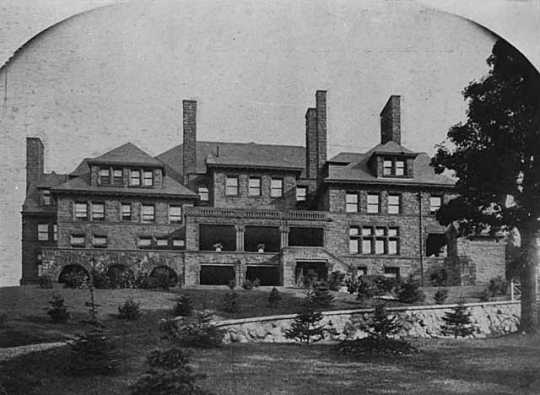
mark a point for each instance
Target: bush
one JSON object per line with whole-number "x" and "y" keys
{"x": 410, "y": 292}
{"x": 485, "y": 295}
{"x": 120, "y": 277}
{"x": 183, "y": 307}
{"x": 440, "y": 296}
{"x": 100, "y": 279}
{"x": 321, "y": 296}
{"x": 168, "y": 373}
{"x": 497, "y": 286}
{"x": 336, "y": 280}
{"x": 231, "y": 284}
{"x": 129, "y": 310}
{"x": 274, "y": 298}
{"x": 458, "y": 321}
{"x": 438, "y": 278}
{"x": 230, "y": 302}
{"x": 374, "y": 285}
{"x": 162, "y": 280}
{"x": 247, "y": 285}
{"x": 256, "y": 283}
{"x": 91, "y": 354}
{"x": 57, "y": 310}
{"x": 194, "y": 332}
{"x": 306, "y": 326}
{"x": 75, "y": 279}
{"x": 45, "y": 282}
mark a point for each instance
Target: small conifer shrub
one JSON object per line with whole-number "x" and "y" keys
{"x": 410, "y": 292}
{"x": 92, "y": 353}
{"x": 57, "y": 310}
{"x": 306, "y": 326}
{"x": 321, "y": 296}
{"x": 440, "y": 296}
{"x": 45, "y": 282}
{"x": 458, "y": 321}
{"x": 183, "y": 307}
{"x": 198, "y": 331}
{"x": 129, "y": 310}
{"x": 274, "y": 298}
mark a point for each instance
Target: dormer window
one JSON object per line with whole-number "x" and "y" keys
{"x": 46, "y": 194}
{"x": 393, "y": 167}
{"x": 148, "y": 178}
{"x": 104, "y": 176}
{"x": 135, "y": 178}
{"x": 203, "y": 193}
{"x": 118, "y": 177}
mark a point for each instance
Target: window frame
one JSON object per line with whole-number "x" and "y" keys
{"x": 257, "y": 189}
{"x": 55, "y": 232}
{"x": 99, "y": 245}
{"x": 118, "y": 180}
{"x": 133, "y": 172}
{"x": 178, "y": 247}
{"x": 162, "y": 246}
{"x": 41, "y": 232}
{"x": 276, "y": 192}
{"x": 368, "y": 204}
{"x": 144, "y": 216}
{"x": 46, "y": 197}
{"x": 392, "y": 170}
{"x": 355, "y": 206}
{"x": 202, "y": 193}
{"x": 122, "y": 216}
{"x": 144, "y": 247}
{"x": 178, "y": 217}
{"x": 301, "y": 197}
{"x": 372, "y": 236}
{"x": 104, "y": 179}
{"x": 93, "y": 211}
{"x": 231, "y": 190}
{"x": 431, "y": 210}
{"x": 398, "y": 205}
{"x": 354, "y": 239}
{"x": 145, "y": 173}
{"x": 82, "y": 244}
{"x": 76, "y": 212}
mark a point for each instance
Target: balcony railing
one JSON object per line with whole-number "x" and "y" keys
{"x": 302, "y": 215}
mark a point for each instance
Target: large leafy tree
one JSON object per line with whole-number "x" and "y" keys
{"x": 495, "y": 156}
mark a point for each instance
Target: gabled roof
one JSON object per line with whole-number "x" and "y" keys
{"x": 127, "y": 154}
{"x": 169, "y": 188}
{"x": 284, "y": 157}
{"x": 390, "y": 147}
{"x": 81, "y": 169}
{"x": 48, "y": 180}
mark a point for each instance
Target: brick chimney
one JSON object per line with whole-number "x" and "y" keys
{"x": 189, "y": 148}
{"x": 391, "y": 120}
{"x": 320, "y": 106}
{"x": 312, "y": 156}
{"x": 34, "y": 160}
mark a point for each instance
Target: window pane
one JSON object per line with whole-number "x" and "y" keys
{"x": 203, "y": 193}
{"x": 104, "y": 176}
{"x": 380, "y": 231}
{"x": 55, "y": 232}
{"x": 277, "y": 187}
{"x": 351, "y": 203}
{"x": 98, "y": 211}
{"x": 162, "y": 242}
{"x": 391, "y": 272}
{"x": 118, "y": 176}
{"x": 353, "y": 246}
{"x": 77, "y": 240}
{"x": 178, "y": 243}
{"x": 254, "y": 187}
{"x": 81, "y": 210}
{"x": 400, "y": 168}
{"x": 366, "y": 246}
{"x": 434, "y": 203}
{"x": 135, "y": 178}
{"x": 392, "y": 232}
{"x": 392, "y": 246}
{"x": 353, "y": 231}
{"x": 148, "y": 178}
{"x": 373, "y": 203}
{"x": 301, "y": 193}
{"x": 231, "y": 186}
{"x": 99, "y": 241}
{"x": 379, "y": 246}
{"x": 394, "y": 204}
{"x": 175, "y": 213}
{"x": 126, "y": 211}
{"x": 147, "y": 213}
{"x": 387, "y": 167}
{"x": 351, "y": 198}
{"x": 144, "y": 242}
{"x": 366, "y": 231}
{"x": 47, "y": 197}
{"x": 43, "y": 232}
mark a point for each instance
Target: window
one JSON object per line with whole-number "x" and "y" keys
{"x": 380, "y": 240}
{"x": 43, "y": 232}
{"x": 434, "y": 204}
{"x": 391, "y": 272}
{"x": 175, "y": 214}
{"x": 393, "y": 241}
{"x": 118, "y": 177}
{"x": 104, "y": 176}
{"x": 276, "y": 187}
{"x": 81, "y": 211}
{"x": 99, "y": 241}
{"x": 162, "y": 242}
{"x": 354, "y": 236}
{"x": 367, "y": 247}
{"x": 254, "y": 186}
{"x": 203, "y": 193}
{"x": 55, "y": 232}
{"x": 351, "y": 202}
{"x": 126, "y": 211}
{"x": 98, "y": 211}
{"x": 380, "y": 234}
{"x": 393, "y": 167}
{"x": 394, "y": 204}
{"x": 144, "y": 242}
{"x": 178, "y": 243}
{"x": 46, "y": 194}
{"x": 77, "y": 240}
{"x": 231, "y": 186}
{"x": 301, "y": 194}
{"x": 373, "y": 203}
{"x": 135, "y": 178}
{"x": 147, "y": 213}
{"x": 148, "y": 178}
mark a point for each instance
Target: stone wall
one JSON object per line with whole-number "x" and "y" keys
{"x": 490, "y": 319}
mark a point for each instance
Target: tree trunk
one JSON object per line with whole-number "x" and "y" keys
{"x": 529, "y": 312}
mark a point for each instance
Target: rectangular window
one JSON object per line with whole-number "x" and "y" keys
{"x": 301, "y": 194}
{"x": 99, "y": 241}
{"x": 353, "y": 240}
{"x": 77, "y": 240}
{"x": 231, "y": 186}
{"x": 434, "y": 204}
{"x": 387, "y": 167}
{"x": 204, "y": 195}
{"x": 373, "y": 203}
{"x": 104, "y": 176}
{"x": 43, "y": 232}
{"x": 175, "y": 214}
{"x": 118, "y": 177}
{"x": 55, "y": 232}
{"x": 147, "y": 214}
{"x": 276, "y": 187}
{"x": 135, "y": 178}
{"x": 126, "y": 211}
{"x": 391, "y": 272}
{"x": 351, "y": 202}
{"x": 98, "y": 211}
{"x": 393, "y": 167}
{"x": 400, "y": 168}
{"x": 81, "y": 211}
{"x": 46, "y": 194}
{"x": 367, "y": 247}
{"x": 254, "y": 186}
{"x": 379, "y": 246}
{"x": 144, "y": 242}
{"x": 162, "y": 242}
{"x": 148, "y": 178}
{"x": 178, "y": 243}
{"x": 394, "y": 204}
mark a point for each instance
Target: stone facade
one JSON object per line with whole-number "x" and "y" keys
{"x": 489, "y": 319}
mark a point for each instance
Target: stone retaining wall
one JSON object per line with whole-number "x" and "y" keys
{"x": 490, "y": 319}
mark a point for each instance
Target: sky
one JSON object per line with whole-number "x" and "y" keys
{"x": 119, "y": 74}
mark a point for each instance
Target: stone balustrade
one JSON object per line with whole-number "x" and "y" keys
{"x": 303, "y": 215}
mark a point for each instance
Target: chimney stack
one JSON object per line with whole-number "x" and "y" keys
{"x": 391, "y": 121}
{"x": 312, "y": 156}
{"x": 34, "y": 160}
{"x": 320, "y": 106}
{"x": 189, "y": 147}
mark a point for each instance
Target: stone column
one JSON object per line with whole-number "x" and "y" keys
{"x": 284, "y": 229}
{"x": 240, "y": 237}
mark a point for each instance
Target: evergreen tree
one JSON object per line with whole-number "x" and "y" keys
{"x": 183, "y": 307}
{"x": 321, "y": 296}
{"x": 57, "y": 310}
{"x": 410, "y": 292}
{"x": 274, "y": 298}
{"x": 381, "y": 325}
{"x": 458, "y": 322}
{"x": 306, "y": 326}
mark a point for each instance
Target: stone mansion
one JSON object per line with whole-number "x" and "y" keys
{"x": 211, "y": 212}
